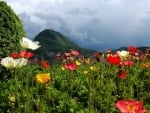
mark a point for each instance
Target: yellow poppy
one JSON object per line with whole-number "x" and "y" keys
{"x": 43, "y": 78}
{"x": 87, "y": 60}
{"x": 85, "y": 72}
{"x": 78, "y": 63}
{"x": 62, "y": 68}
{"x": 93, "y": 68}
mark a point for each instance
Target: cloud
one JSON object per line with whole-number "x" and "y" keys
{"x": 91, "y": 23}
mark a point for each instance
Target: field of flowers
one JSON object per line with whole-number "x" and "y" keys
{"x": 104, "y": 82}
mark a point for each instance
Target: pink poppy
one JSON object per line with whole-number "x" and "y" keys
{"x": 130, "y": 106}
{"x": 67, "y": 54}
{"x": 74, "y": 52}
{"x": 128, "y": 63}
{"x": 70, "y": 67}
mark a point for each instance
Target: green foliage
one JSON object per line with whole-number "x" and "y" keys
{"x": 72, "y": 91}
{"x": 11, "y": 30}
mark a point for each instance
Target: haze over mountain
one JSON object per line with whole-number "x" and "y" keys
{"x": 52, "y": 41}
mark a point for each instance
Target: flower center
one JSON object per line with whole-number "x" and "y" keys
{"x": 131, "y": 108}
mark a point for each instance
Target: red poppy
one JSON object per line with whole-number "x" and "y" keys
{"x": 142, "y": 56}
{"x": 44, "y": 64}
{"x": 26, "y": 54}
{"x": 128, "y": 63}
{"x": 132, "y": 50}
{"x": 97, "y": 54}
{"x": 130, "y": 106}
{"x": 15, "y": 55}
{"x": 70, "y": 67}
{"x": 114, "y": 59}
{"x": 74, "y": 52}
{"x": 122, "y": 74}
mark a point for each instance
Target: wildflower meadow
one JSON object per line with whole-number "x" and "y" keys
{"x": 104, "y": 82}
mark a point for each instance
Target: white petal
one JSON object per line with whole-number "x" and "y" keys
{"x": 27, "y": 43}
{"x": 8, "y": 62}
{"x": 20, "y": 62}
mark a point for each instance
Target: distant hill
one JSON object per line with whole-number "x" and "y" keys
{"x": 53, "y": 41}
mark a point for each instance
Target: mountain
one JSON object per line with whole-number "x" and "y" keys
{"x": 53, "y": 41}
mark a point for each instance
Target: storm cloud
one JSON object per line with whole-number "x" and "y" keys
{"x": 95, "y": 24}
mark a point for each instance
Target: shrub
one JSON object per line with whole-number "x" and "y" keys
{"x": 11, "y": 31}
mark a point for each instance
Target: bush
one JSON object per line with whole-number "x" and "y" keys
{"x": 11, "y": 31}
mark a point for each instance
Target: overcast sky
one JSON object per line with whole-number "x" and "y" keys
{"x": 95, "y": 24}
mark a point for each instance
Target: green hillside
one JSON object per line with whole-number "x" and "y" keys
{"x": 53, "y": 41}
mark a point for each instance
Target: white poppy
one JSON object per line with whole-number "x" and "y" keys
{"x": 20, "y": 62}
{"x": 123, "y": 53}
{"x": 29, "y": 44}
{"x": 11, "y": 63}
{"x": 8, "y": 62}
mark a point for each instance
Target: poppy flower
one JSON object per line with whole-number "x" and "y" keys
{"x": 98, "y": 56}
{"x": 114, "y": 59}
{"x": 67, "y": 54}
{"x": 128, "y": 63}
{"x": 142, "y": 56}
{"x": 70, "y": 67}
{"x": 29, "y": 44}
{"x": 87, "y": 60}
{"x": 122, "y": 74}
{"x": 70, "y": 60}
{"x": 62, "y": 68}
{"x": 20, "y": 62}
{"x": 11, "y": 101}
{"x": 132, "y": 50}
{"x": 146, "y": 65}
{"x": 130, "y": 106}
{"x": 108, "y": 51}
{"x": 58, "y": 56}
{"x": 44, "y": 64}
{"x": 15, "y": 55}
{"x": 74, "y": 52}
{"x": 93, "y": 68}
{"x": 26, "y": 54}
{"x": 85, "y": 72}
{"x": 43, "y": 78}
{"x": 78, "y": 62}
{"x": 10, "y": 63}
{"x": 123, "y": 53}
